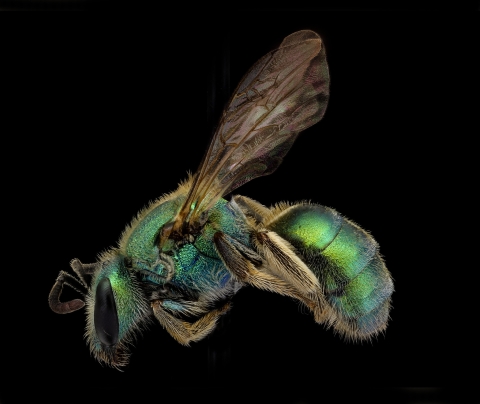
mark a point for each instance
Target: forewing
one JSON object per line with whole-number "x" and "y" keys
{"x": 284, "y": 93}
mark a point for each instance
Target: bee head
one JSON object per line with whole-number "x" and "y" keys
{"x": 116, "y": 309}
{"x": 116, "y": 305}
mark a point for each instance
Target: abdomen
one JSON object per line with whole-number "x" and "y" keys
{"x": 346, "y": 260}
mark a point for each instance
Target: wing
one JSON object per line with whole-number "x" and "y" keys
{"x": 284, "y": 93}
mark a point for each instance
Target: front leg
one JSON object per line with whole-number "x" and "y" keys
{"x": 183, "y": 331}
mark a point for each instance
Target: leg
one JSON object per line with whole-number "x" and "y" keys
{"x": 244, "y": 270}
{"x": 183, "y": 331}
{"x": 54, "y": 297}
{"x": 284, "y": 263}
{"x": 252, "y": 209}
{"x": 282, "y": 259}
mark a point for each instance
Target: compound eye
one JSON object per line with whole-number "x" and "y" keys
{"x": 105, "y": 314}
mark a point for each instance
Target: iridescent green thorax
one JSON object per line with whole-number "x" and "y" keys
{"x": 143, "y": 238}
{"x": 198, "y": 265}
{"x": 223, "y": 217}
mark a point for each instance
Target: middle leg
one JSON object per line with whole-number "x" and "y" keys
{"x": 185, "y": 332}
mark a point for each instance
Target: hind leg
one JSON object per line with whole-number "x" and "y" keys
{"x": 281, "y": 258}
{"x": 238, "y": 263}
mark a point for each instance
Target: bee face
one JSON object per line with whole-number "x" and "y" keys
{"x": 116, "y": 307}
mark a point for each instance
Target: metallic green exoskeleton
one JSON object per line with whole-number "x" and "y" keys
{"x": 185, "y": 256}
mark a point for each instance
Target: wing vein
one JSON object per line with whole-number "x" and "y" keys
{"x": 282, "y": 94}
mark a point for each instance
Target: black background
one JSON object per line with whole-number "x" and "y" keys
{"x": 102, "y": 121}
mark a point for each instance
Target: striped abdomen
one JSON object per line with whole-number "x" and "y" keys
{"x": 345, "y": 258}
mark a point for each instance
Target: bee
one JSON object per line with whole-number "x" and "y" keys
{"x": 185, "y": 256}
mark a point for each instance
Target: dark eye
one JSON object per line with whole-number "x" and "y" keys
{"x": 105, "y": 315}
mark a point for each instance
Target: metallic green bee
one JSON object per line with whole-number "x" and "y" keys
{"x": 185, "y": 256}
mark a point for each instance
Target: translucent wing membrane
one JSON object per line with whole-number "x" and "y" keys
{"x": 284, "y": 93}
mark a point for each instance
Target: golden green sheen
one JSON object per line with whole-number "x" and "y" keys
{"x": 308, "y": 226}
{"x": 351, "y": 250}
{"x": 141, "y": 242}
{"x": 366, "y": 291}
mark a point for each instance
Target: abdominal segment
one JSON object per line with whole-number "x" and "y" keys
{"x": 356, "y": 284}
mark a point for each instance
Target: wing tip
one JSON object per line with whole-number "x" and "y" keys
{"x": 300, "y": 36}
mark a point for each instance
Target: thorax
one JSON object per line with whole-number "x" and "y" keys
{"x": 196, "y": 265}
